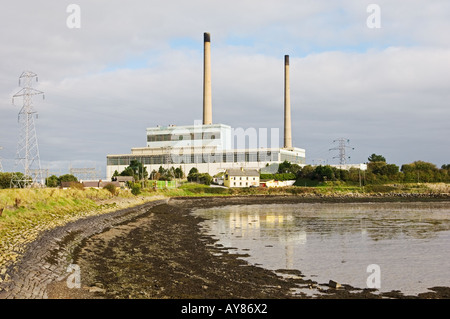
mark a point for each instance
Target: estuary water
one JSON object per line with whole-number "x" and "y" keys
{"x": 409, "y": 243}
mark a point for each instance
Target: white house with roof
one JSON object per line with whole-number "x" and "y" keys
{"x": 241, "y": 177}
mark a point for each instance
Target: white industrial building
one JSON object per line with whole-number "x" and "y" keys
{"x": 208, "y": 147}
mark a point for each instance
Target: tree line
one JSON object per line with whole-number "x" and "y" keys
{"x": 139, "y": 172}
{"x": 51, "y": 181}
{"x": 378, "y": 172}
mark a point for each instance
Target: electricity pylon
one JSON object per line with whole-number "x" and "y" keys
{"x": 1, "y": 167}
{"x": 27, "y": 158}
{"x": 341, "y": 148}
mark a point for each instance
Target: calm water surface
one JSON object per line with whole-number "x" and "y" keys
{"x": 410, "y": 242}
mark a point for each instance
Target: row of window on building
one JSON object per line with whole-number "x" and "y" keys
{"x": 180, "y": 137}
{"x": 229, "y": 157}
{"x": 243, "y": 178}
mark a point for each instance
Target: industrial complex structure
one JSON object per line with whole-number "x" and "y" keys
{"x": 208, "y": 146}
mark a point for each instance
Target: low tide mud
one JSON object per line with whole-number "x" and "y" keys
{"x": 163, "y": 253}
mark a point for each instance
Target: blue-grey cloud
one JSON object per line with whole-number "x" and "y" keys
{"x": 139, "y": 64}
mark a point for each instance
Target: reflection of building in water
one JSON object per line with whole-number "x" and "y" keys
{"x": 363, "y": 226}
{"x": 247, "y": 225}
{"x": 251, "y": 224}
{"x": 268, "y": 225}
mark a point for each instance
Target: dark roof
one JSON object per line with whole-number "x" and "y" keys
{"x": 123, "y": 178}
{"x": 90, "y": 184}
{"x": 103, "y": 184}
{"x": 68, "y": 184}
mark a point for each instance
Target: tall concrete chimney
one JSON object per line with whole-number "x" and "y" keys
{"x": 287, "y": 105}
{"x": 207, "y": 104}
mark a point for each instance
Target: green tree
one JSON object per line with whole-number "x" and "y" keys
{"x": 155, "y": 175}
{"x": 420, "y": 171}
{"x": 376, "y": 167}
{"x": 288, "y": 167}
{"x": 179, "y": 172}
{"x": 193, "y": 170}
{"x": 135, "y": 169}
{"x": 284, "y": 167}
{"x": 306, "y": 172}
{"x": 5, "y": 179}
{"x": 52, "y": 181}
{"x": 324, "y": 173}
{"x": 67, "y": 178}
{"x": 376, "y": 158}
{"x": 203, "y": 178}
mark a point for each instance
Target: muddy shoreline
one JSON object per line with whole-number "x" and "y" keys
{"x": 163, "y": 254}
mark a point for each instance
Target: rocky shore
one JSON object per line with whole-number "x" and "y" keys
{"x": 157, "y": 250}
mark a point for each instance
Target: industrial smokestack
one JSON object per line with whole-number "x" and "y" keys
{"x": 207, "y": 104}
{"x": 287, "y": 105}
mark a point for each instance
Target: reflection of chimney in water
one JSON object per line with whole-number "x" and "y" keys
{"x": 287, "y": 105}
{"x": 207, "y": 104}
{"x": 289, "y": 256}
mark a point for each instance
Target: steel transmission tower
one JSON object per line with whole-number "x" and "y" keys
{"x": 84, "y": 173}
{"x": 342, "y": 146}
{"x": 1, "y": 167}
{"x": 27, "y": 157}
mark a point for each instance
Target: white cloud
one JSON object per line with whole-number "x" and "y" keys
{"x": 385, "y": 89}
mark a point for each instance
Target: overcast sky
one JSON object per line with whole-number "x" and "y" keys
{"x": 137, "y": 64}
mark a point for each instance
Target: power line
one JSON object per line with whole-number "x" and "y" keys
{"x": 87, "y": 173}
{"x": 342, "y": 146}
{"x": 27, "y": 157}
{"x": 1, "y": 167}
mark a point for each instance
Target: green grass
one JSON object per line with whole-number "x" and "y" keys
{"x": 23, "y": 207}
{"x": 323, "y": 188}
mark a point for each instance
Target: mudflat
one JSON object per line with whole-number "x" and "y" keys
{"x": 163, "y": 253}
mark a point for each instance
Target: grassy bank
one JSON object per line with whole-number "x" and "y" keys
{"x": 27, "y": 212}
{"x": 330, "y": 189}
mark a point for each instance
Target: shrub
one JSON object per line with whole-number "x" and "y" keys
{"x": 76, "y": 185}
{"x": 111, "y": 188}
{"x": 136, "y": 189}
{"x": 203, "y": 178}
{"x": 52, "y": 181}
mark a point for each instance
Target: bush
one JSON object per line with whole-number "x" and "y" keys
{"x": 76, "y": 185}
{"x": 279, "y": 176}
{"x": 68, "y": 178}
{"x": 52, "y": 181}
{"x": 203, "y": 178}
{"x": 111, "y": 188}
{"x": 136, "y": 189}
{"x": 5, "y": 180}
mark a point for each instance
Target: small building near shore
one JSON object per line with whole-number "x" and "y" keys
{"x": 241, "y": 178}
{"x": 274, "y": 183}
{"x": 123, "y": 180}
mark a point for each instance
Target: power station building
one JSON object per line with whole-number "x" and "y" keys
{"x": 207, "y": 146}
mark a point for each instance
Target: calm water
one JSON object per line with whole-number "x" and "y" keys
{"x": 410, "y": 242}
